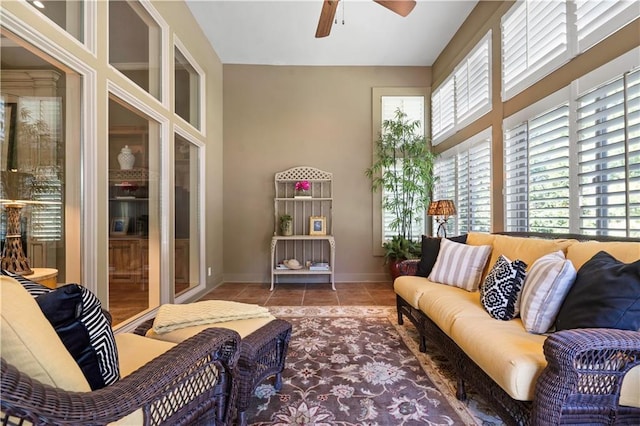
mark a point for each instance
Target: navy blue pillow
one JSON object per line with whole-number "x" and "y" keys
{"x": 76, "y": 315}
{"x": 605, "y": 294}
{"x": 430, "y": 250}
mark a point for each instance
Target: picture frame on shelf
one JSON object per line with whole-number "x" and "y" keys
{"x": 119, "y": 226}
{"x": 317, "y": 225}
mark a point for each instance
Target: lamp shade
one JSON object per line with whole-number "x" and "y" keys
{"x": 441, "y": 208}
{"x": 15, "y": 186}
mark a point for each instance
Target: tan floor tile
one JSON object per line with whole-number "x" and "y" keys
{"x": 284, "y": 301}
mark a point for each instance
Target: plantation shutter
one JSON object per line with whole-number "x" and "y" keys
{"x": 516, "y": 179}
{"x": 413, "y": 106}
{"x": 609, "y": 158}
{"x": 597, "y": 19}
{"x": 549, "y": 171}
{"x": 474, "y": 182}
{"x": 445, "y": 187}
{"x": 472, "y": 82}
{"x": 534, "y": 42}
{"x": 442, "y": 109}
{"x": 46, "y": 218}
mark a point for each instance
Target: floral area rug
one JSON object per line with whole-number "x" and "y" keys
{"x": 356, "y": 366}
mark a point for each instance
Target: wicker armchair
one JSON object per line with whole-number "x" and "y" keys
{"x": 192, "y": 383}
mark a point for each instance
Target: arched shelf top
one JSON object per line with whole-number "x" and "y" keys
{"x": 303, "y": 173}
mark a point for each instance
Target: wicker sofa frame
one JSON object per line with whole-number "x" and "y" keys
{"x": 192, "y": 383}
{"x": 580, "y": 385}
{"x": 262, "y": 354}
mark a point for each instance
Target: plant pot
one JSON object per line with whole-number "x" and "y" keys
{"x": 394, "y": 269}
{"x": 286, "y": 228}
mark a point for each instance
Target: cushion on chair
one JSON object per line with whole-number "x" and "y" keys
{"x": 30, "y": 343}
{"x": 500, "y": 292}
{"x": 243, "y": 327}
{"x": 460, "y": 265}
{"x": 82, "y": 327}
{"x": 590, "y": 304}
{"x": 430, "y": 249}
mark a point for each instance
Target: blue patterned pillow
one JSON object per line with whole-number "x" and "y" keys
{"x": 500, "y": 292}
{"x": 76, "y": 315}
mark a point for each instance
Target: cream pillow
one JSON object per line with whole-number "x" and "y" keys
{"x": 460, "y": 265}
{"x": 547, "y": 283}
{"x": 30, "y": 343}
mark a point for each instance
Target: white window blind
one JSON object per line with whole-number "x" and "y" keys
{"x": 472, "y": 82}
{"x": 445, "y": 187}
{"x": 442, "y": 109}
{"x": 413, "y": 106}
{"x": 516, "y": 165}
{"x": 464, "y": 176}
{"x": 537, "y": 173}
{"x": 609, "y": 158}
{"x": 534, "y": 43}
{"x": 597, "y": 19}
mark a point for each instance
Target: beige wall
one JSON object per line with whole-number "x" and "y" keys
{"x": 277, "y": 117}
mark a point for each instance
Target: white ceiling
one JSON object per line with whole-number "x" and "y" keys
{"x": 270, "y": 32}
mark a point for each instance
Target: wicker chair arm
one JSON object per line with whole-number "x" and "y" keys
{"x": 185, "y": 373}
{"x": 408, "y": 267}
{"x": 257, "y": 341}
{"x": 584, "y": 373}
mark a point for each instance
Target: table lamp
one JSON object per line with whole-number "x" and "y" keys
{"x": 442, "y": 209}
{"x": 16, "y": 193}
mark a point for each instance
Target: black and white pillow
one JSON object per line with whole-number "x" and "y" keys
{"x": 76, "y": 315}
{"x": 500, "y": 292}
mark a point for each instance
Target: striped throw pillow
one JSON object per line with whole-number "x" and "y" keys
{"x": 460, "y": 265}
{"x": 547, "y": 283}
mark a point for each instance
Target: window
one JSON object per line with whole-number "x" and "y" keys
{"x": 187, "y": 88}
{"x": 539, "y": 36}
{"x": 464, "y": 176}
{"x": 187, "y": 181}
{"x": 465, "y": 94}
{"x": 534, "y": 42}
{"x": 472, "y": 77}
{"x": 597, "y": 19}
{"x": 135, "y": 45}
{"x": 413, "y": 106}
{"x": 575, "y": 168}
{"x": 609, "y": 158}
{"x": 537, "y": 173}
{"x": 67, "y": 14}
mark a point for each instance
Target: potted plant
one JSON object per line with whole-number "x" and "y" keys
{"x": 286, "y": 225}
{"x": 403, "y": 171}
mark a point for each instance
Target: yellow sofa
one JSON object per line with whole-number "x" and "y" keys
{"x": 506, "y": 363}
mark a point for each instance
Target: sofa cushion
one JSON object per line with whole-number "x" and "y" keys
{"x": 512, "y": 357}
{"x": 545, "y": 287}
{"x": 30, "y": 343}
{"x": 605, "y": 294}
{"x": 76, "y": 315}
{"x": 460, "y": 265}
{"x": 445, "y": 304}
{"x": 500, "y": 292}
{"x": 430, "y": 249}
{"x": 630, "y": 389}
{"x": 243, "y": 327}
{"x": 580, "y": 253}
{"x": 135, "y": 351}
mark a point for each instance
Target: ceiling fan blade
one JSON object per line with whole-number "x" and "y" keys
{"x": 401, "y": 7}
{"x": 326, "y": 18}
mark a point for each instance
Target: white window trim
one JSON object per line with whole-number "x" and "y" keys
{"x": 202, "y": 280}
{"x": 376, "y": 126}
{"x": 202, "y": 98}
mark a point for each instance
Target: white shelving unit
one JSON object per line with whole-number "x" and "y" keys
{"x": 302, "y": 246}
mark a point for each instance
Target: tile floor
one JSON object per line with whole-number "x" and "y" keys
{"x": 316, "y": 294}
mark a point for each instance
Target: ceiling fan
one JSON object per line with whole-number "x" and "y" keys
{"x": 401, "y": 7}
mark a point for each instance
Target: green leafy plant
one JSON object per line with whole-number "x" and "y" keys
{"x": 403, "y": 171}
{"x": 400, "y": 248}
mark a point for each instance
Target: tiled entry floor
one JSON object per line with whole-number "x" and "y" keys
{"x": 317, "y": 294}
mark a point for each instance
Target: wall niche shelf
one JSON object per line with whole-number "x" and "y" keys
{"x": 312, "y": 214}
